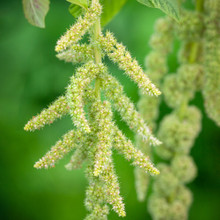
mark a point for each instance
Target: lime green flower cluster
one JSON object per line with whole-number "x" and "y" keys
{"x": 95, "y": 134}
{"x": 179, "y": 129}
{"x": 178, "y": 133}
{"x": 198, "y": 58}
{"x": 182, "y": 86}
{"x": 156, "y": 64}
{"x": 190, "y": 26}
{"x": 212, "y": 61}
{"x": 170, "y": 198}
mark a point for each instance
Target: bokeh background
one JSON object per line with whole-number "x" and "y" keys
{"x": 31, "y": 77}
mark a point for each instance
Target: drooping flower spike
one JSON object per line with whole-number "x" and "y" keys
{"x": 61, "y": 148}
{"x": 56, "y": 110}
{"x": 114, "y": 92}
{"x": 118, "y": 54}
{"x": 95, "y": 134}
{"x": 83, "y": 78}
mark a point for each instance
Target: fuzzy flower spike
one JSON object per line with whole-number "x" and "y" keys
{"x": 95, "y": 133}
{"x": 75, "y": 33}
{"x": 170, "y": 198}
{"x": 118, "y": 54}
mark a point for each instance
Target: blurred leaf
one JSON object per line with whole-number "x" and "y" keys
{"x": 81, "y": 3}
{"x": 75, "y": 10}
{"x": 35, "y": 11}
{"x": 170, "y": 7}
{"x": 110, "y": 9}
{"x": 77, "y": 6}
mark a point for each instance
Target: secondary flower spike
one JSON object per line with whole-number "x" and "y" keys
{"x": 75, "y": 33}
{"x": 125, "y": 147}
{"x": 114, "y": 91}
{"x": 118, "y": 54}
{"x": 104, "y": 138}
{"x": 79, "y": 82}
{"x": 56, "y": 110}
{"x": 170, "y": 199}
{"x": 61, "y": 148}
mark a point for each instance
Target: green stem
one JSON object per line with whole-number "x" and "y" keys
{"x": 195, "y": 45}
{"x": 194, "y": 50}
{"x": 182, "y": 109}
{"x": 97, "y": 51}
{"x": 200, "y": 5}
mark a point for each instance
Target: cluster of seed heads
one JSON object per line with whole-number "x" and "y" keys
{"x": 96, "y": 134}
{"x": 198, "y": 71}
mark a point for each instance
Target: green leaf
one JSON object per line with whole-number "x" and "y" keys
{"x": 35, "y": 11}
{"x": 77, "y": 7}
{"x": 75, "y": 10}
{"x": 170, "y": 7}
{"x": 110, "y": 9}
{"x": 81, "y": 3}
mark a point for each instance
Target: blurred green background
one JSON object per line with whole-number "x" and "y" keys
{"x": 31, "y": 77}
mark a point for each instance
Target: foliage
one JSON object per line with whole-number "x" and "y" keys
{"x": 35, "y": 11}
{"x": 170, "y": 7}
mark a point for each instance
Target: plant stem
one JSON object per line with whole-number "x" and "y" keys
{"x": 97, "y": 51}
{"x": 200, "y": 5}
{"x": 194, "y": 50}
{"x": 195, "y": 45}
